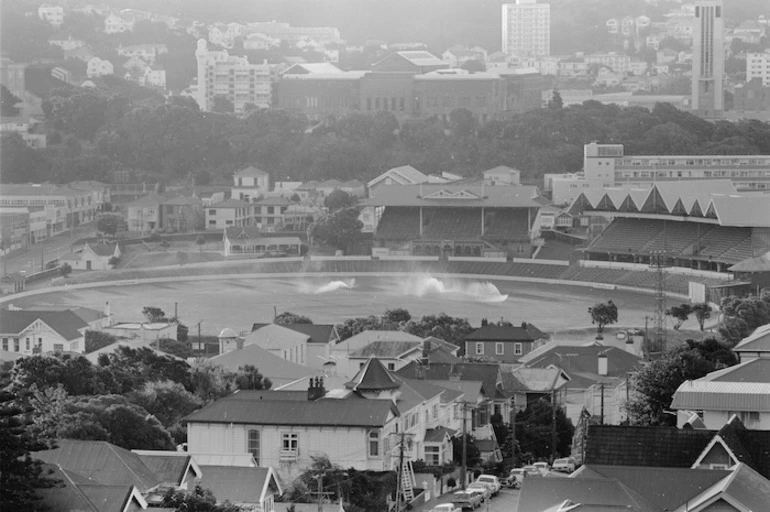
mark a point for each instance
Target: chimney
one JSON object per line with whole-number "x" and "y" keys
{"x": 484, "y": 322}
{"x": 426, "y": 348}
{"x": 602, "y": 363}
{"x": 315, "y": 389}
{"x": 523, "y": 325}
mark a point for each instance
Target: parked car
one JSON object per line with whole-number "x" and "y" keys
{"x": 480, "y": 489}
{"x": 532, "y": 471}
{"x": 466, "y": 500}
{"x": 566, "y": 465}
{"x": 446, "y": 507}
{"x": 518, "y": 475}
{"x": 492, "y": 481}
{"x": 543, "y": 467}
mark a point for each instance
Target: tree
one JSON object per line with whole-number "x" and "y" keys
{"x": 655, "y": 384}
{"x": 114, "y": 261}
{"x": 8, "y": 102}
{"x": 742, "y": 315}
{"x": 222, "y": 105}
{"x": 397, "y": 315}
{"x": 248, "y": 377}
{"x": 462, "y": 121}
{"x": 534, "y": 430}
{"x": 94, "y": 340}
{"x": 197, "y": 500}
{"x": 65, "y": 270}
{"x": 200, "y": 241}
{"x": 556, "y": 102}
{"x": 154, "y": 314}
{"x": 340, "y": 229}
{"x": 75, "y": 374}
{"x": 442, "y": 326}
{"x": 169, "y": 402}
{"x": 176, "y": 347}
{"x": 702, "y": 311}
{"x": 181, "y": 332}
{"x": 289, "y": 318}
{"x": 681, "y": 313}
{"x": 472, "y": 452}
{"x": 474, "y": 66}
{"x": 603, "y": 314}
{"x": 108, "y": 223}
{"x": 338, "y": 200}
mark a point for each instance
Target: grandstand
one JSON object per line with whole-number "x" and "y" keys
{"x": 456, "y": 220}
{"x": 693, "y": 225}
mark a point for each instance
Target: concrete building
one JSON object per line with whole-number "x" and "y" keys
{"x": 250, "y": 183}
{"x": 708, "y": 66}
{"x": 527, "y": 29}
{"x": 72, "y": 204}
{"x": 53, "y": 14}
{"x": 221, "y": 74}
{"x": 228, "y": 214}
{"x": 758, "y": 66}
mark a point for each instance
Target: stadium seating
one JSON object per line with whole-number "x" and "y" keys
{"x": 452, "y": 224}
{"x": 399, "y": 224}
{"x": 507, "y": 224}
{"x": 738, "y": 252}
{"x": 626, "y": 236}
{"x": 674, "y": 237}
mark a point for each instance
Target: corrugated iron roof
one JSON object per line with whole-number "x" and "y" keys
{"x": 722, "y": 396}
{"x": 65, "y": 323}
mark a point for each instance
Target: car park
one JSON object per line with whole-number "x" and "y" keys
{"x": 492, "y": 482}
{"x": 446, "y": 507}
{"x": 480, "y": 489}
{"x": 566, "y": 465}
{"x": 466, "y": 500}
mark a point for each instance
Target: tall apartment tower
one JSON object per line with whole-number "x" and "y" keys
{"x": 708, "y": 58}
{"x": 527, "y": 29}
{"x": 222, "y": 74}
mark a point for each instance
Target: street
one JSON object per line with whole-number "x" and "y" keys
{"x": 506, "y": 501}
{"x": 34, "y": 257}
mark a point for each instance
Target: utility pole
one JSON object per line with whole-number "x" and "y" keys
{"x": 175, "y": 311}
{"x": 400, "y": 478}
{"x": 601, "y": 422}
{"x": 320, "y": 479}
{"x": 553, "y": 425}
{"x": 513, "y": 432}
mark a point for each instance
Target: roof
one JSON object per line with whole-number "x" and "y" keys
{"x": 75, "y": 491}
{"x": 274, "y": 336}
{"x": 318, "y": 333}
{"x": 238, "y": 484}
{"x": 364, "y": 338}
{"x": 386, "y": 349}
{"x": 744, "y": 486}
{"x": 501, "y": 169}
{"x": 66, "y": 323}
{"x": 408, "y": 173}
{"x": 486, "y": 373}
{"x": 666, "y": 488}
{"x": 373, "y": 376}
{"x": 251, "y": 171}
{"x": 169, "y": 469}
{"x": 34, "y": 189}
{"x": 101, "y": 461}
{"x": 492, "y": 332}
{"x": 181, "y": 200}
{"x": 758, "y": 341}
{"x": 668, "y": 447}
{"x": 230, "y": 203}
{"x": 245, "y": 408}
{"x": 456, "y": 196}
{"x": 534, "y": 379}
{"x": 437, "y": 435}
{"x": 421, "y": 58}
{"x": 103, "y": 249}
{"x": 707, "y": 395}
{"x": 540, "y": 494}
{"x": 273, "y": 201}
{"x": 758, "y": 264}
{"x": 414, "y": 393}
{"x": 275, "y": 368}
{"x": 469, "y": 390}
{"x": 753, "y": 370}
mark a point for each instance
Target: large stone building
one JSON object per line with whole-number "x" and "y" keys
{"x": 527, "y": 29}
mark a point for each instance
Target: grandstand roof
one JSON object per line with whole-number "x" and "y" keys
{"x": 716, "y": 200}
{"x": 457, "y": 196}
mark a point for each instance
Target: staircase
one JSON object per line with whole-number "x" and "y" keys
{"x": 407, "y": 481}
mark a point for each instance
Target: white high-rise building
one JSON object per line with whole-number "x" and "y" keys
{"x": 758, "y": 66}
{"x": 222, "y": 74}
{"x": 708, "y": 58}
{"x": 527, "y": 29}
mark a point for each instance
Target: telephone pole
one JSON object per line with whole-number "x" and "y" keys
{"x": 553, "y": 426}
{"x": 400, "y": 479}
{"x": 465, "y": 441}
{"x": 513, "y": 432}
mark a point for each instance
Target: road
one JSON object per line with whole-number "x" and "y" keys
{"x": 33, "y": 257}
{"x": 506, "y": 501}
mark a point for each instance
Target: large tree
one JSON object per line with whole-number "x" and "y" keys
{"x": 289, "y": 318}
{"x": 741, "y": 315}
{"x": 340, "y": 230}
{"x": 534, "y": 428}
{"x": 603, "y": 314}
{"x": 338, "y": 200}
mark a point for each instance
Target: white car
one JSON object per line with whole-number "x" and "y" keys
{"x": 480, "y": 490}
{"x": 566, "y": 465}
{"x": 492, "y": 482}
{"x": 542, "y": 467}
{"x": 532, "y": 471}
{"x": 446, "y": 507}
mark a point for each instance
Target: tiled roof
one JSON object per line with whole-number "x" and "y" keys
{"x": 244, "y": 409}
{"x": 237, "y": 484}
{"x": 65, "y": 323}
{"x": 667, "y": 447}
{"x": 101, "y": 461}
{"x": 373, "y": 376}
{"x": 386, "y": 349}
{"x": 493, "y": 332}
{"x": 666, "y": 488}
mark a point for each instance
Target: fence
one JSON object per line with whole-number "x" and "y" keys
{"x": 641, "y": 267}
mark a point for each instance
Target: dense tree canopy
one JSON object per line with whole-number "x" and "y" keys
{"x": 741, "y": 315}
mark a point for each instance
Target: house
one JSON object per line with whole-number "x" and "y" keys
{"x": 93, "y": 257}
{"x": 154, "y": 76}
{"x": 320, "y": 339}
{"x": 342, "y": 351}
{"x": 502, "y": 175}
{"x": 73, "y": 491}
{"x": 250, "y": 184}
{"x": 114, "y": 24}
{"x": 229, "y": 213}
{"x": 280, "y": 371}
{"x": 112, "y": 465}
{"x": 756, "y": 345}
{"x": 181, "y": 214}
{"x": 598, "y": 377}
{"x": 529, "y": 385}
{"x": 259, "y": 42}
{"x": 458, "y": 55}
{"x": 98, "y": 67}
{"x": 285, "y": 429}
{"x": 146, "y": 52}
{"x": 280, "y": 341}
{"x": 65, "y": 41}
{"x": 249, "y": 240}
{"x": 37, "y": 332}
{"x": 504, "y": 343}
{"x": 248, "y": 488}
{"x": 269, "y": 212}
{"x": 743, "y": 390}
{"x": 404, "y": 175}
{"x": 145, "y": 213}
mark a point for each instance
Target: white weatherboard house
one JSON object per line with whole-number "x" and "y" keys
{"x": 37, "y": 332}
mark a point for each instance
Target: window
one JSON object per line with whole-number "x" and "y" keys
{"x": 16, "y": 344}
{"x": 717, "y": 466}
{"x": 374, "y": 443}
{"x": 499, "y": 349}
{"x": 290, "y": 443}
{"x": 517, "y": 350}
{"x": 479, "y": 349}
{"x": 5, "y": 344}
{"x": 27, "y": 345}
{"x": 433, "y": 455}
{"x": 57, "y": 347}
{"x": 253, "y": 444}
{"x": 392, "y": 367}
{"x": 212, "y": 223}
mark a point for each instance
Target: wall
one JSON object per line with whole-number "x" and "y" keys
{"x": 508, "y": 355}
{"x": 646, "y": 268}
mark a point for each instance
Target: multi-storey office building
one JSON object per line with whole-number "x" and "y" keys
{"x": 708, "y": 59}
{"x": 527, "y": 29}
